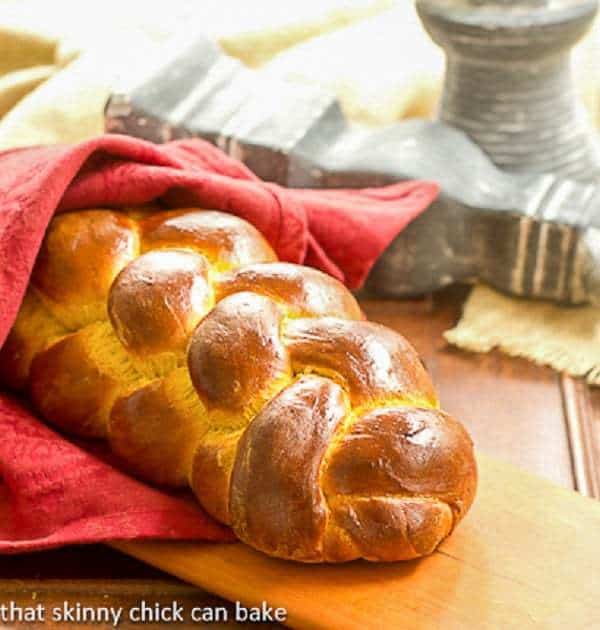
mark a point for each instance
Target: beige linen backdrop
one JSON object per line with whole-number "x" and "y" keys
{"x": 59, "y": 60}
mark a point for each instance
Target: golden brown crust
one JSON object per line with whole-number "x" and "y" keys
{"x": 34, "y": 329}
{"x": 70, "y": 389}
{"x": 236, "y": 353}
{"x": 212, "y": 466}
{"x": 372, "y": 362}
{"x": 302, "y": 291}
{"x": 224, "y": 239}
{"x": 79, "y": 258}
{"x": 314, "y": 434}
{"x": 385, "y": 529}
{"x": 276, "y": 500}
{"x": 400, "y": 475}
{"x": 407, "y": 450}
{"x": 155, "y": 303}
{"x": 155, "y": 430}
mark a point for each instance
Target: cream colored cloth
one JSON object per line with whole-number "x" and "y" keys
{"x": 59, "y": 60}
{"x": 382, "y": 69}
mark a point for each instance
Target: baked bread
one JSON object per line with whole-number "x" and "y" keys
{"x": 178, "y": 337}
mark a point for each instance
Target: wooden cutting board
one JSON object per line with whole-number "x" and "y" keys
{"x": 527, "y": 556}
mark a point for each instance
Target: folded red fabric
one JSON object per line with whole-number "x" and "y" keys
{"x": 58, "y": 493}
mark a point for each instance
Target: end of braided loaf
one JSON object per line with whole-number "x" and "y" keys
{"x": 178, "y": 337}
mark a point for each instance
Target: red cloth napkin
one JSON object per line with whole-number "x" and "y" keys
{"x": 57, "y": 493}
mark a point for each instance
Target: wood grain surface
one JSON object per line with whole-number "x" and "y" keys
{"x": 525, "y": 557}
{"x": 512, "y": 408}
{"x": 516, "y": 412}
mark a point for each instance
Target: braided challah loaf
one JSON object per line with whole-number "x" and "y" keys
{"x": 178, "y": 337}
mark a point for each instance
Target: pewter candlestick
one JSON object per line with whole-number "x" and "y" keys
{"x": 508, "y": 80}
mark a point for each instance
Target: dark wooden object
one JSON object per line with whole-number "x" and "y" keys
{"x": 528, "y": 415}
{"x": 526, "y": 233}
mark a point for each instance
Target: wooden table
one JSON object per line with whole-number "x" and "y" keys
{"x": 544, "y": 422}
{"x": 527, "y": 415}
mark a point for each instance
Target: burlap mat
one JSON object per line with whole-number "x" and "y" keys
{"x": 60, "y": 59}
{"x": 565, "y": 338}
